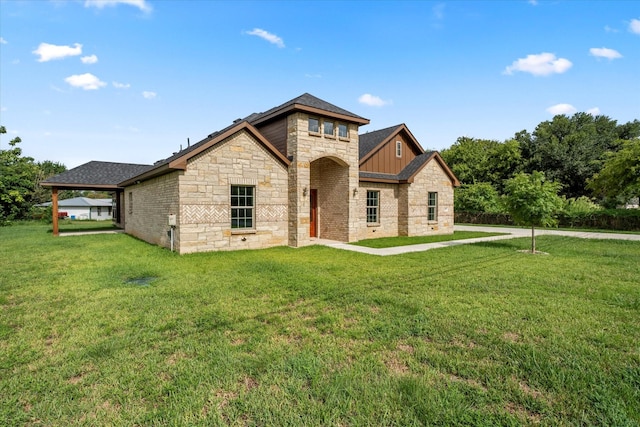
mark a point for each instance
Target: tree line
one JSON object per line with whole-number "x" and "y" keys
{"x": 20, "y": 178}
{"x": 593, "y": 160}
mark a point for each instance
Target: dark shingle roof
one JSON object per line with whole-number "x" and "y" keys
{"x": 370, "y": 140}
{"x": 306, "y": 100}
{"x": 97, "y": 173}
{"x": 414, "y": 166}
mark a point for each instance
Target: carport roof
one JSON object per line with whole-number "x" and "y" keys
{"x": 96, "y": 175}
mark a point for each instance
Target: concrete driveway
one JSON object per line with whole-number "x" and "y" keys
{"x": 510, "y": 233}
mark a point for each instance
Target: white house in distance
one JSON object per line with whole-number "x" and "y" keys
{"x": 85, "y": 208}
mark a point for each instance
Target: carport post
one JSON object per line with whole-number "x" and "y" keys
{"x": 54, "y": 210}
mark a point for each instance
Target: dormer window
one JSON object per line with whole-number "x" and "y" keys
{"x": 398, "y": 148}
{"x": 314, "y": 125}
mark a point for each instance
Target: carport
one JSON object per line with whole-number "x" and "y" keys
{"x": 96, "y": 176}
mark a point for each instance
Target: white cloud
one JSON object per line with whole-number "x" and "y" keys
{"x": 140, "y": 4}
{"x": 3, "y": 109}
{"x": 119, "y": 85}
{"x": 271, "y": 38}
{"x": 3, "y": 41}
{"x": 372, "y": 100}
{"x": 561, "y": 109}
{"x": 313, "y": 76}
{"x": 48, "y": 52}
{"x": 149, "y": 95}
{"x": 91, "y": 59}
{"x": 533, "y": 2}
{"x": 634, "y": 26}
{"x": 603, "y": 52}
{"x": 85, "y": 81}
{"x": 541, "y": 64}
{"x": 608, "y": 29}
{"x": 595, "y": 111}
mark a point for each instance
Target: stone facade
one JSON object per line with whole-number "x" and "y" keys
{"x": 195, "y": 186}
{"x": 200, "y": 199}
{"x": 403, "y": 207}
{"x": 431, "y": 178}
{"x": 328, "y": 164}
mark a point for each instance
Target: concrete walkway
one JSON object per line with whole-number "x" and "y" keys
{"x": 511, "y": 233}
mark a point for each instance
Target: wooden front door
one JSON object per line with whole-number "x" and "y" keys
{"x": 313, "y": 214}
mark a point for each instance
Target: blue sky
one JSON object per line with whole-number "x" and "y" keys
{"x": 131, "y": 80}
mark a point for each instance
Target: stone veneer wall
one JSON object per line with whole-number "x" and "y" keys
{"x": 430, "y": 178}
{"x": 205, "y": 201}
{"x": 153, "y": 200}
{"x": 304, "y": 148}
{"x": 388, "y": 211}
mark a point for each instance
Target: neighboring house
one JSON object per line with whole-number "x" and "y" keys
{"x": 85, "y": 208}
{"x": 286, "y": 176}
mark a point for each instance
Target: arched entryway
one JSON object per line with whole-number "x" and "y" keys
{"x": 329, "y": 204}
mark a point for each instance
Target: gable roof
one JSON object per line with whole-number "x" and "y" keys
{"x": 304, "y": 102}
{"x": 95, "y": 175}
{"x": 178, "y": 161}
{"x": 407, "y": 175}
{"x": 308, "y": 103}
{"x": 371, "y": 142}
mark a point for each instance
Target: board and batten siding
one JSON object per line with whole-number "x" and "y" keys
{"x": 385, "y": 159}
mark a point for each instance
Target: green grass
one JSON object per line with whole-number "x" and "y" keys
{"x": 388, "y": 242}
{"x": 108, "y": 330}
{"x": 70, "y": 225}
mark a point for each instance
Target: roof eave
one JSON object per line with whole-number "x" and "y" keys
{"x": 180, "y": 163}
{"x": 312, "y": 110}
{"x": 76, "y": 186}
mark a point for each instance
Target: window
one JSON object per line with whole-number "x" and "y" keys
{"x": 328, "y": 128}
{"x": 373, "y": 207}
{"x": 432, "y": 207}
{"x": 242, "y": 206}
{"x": 314, "y": 125}
{"x": 130, "y": 202}
{"x": 343, "y": 131}
{"x": 99, "y": 210}
{"x": 398, "y": 148}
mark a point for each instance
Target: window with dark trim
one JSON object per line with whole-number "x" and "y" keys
{"x": 242, "y": 206}
{"x": 432, "y": 207}
{"x": 373, "y": 207}
{"x": 130, "y": 202}
{"x": 328, "y": 128}
{"x": 314, "y": 125}
{"x": 343, "y": 130}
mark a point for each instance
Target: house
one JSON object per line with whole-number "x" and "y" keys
{"x": 85, "y": 208}
{"x": 297, "y": 172}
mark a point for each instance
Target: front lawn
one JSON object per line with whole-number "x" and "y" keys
{"x": 108, "y": 330}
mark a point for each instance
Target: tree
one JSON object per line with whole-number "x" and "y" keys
{"x": 482, "y": 160}
{"x": 16, "y": 181}
{"x": 478, "y": 197}
{"x": 533, "y": 201}
{"x": 619, "y": 179}
{"x": 570, "y": 150}
{"x": 44, "y": 170}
